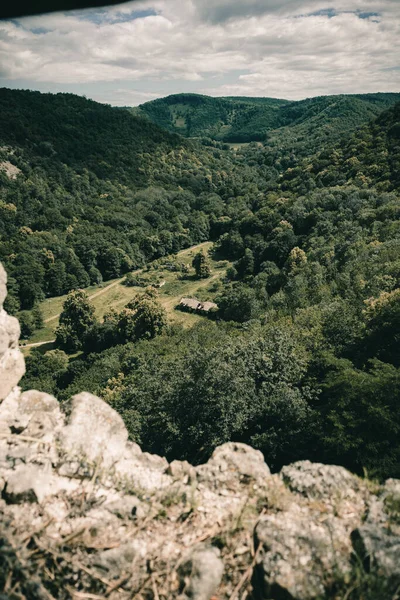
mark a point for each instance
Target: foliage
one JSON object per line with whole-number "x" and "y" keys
{"x": 229, "y": 119}
{"x": 303, "y": 361}
{"x": 75, "y": 320}
{"x": 256, "y": 119}
{"x": 238, "y": 303}
{"x": 201, "y": 265}
{"x": 99, "y": 193}
{"x": 361, "y": 415}
{"x": 143, "y": 318}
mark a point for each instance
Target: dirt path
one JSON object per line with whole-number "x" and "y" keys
{"x": 106, "y": 289}
{"x": 99, "y": 293}
{"x": 36, "y": 344}
{"x": 114, "y": 283}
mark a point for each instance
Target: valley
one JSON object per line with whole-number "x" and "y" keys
{"x": 302, "y": 360}
{"x": 200, "y": 300}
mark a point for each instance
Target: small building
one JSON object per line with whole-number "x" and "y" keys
{"x": 194, "y": 305}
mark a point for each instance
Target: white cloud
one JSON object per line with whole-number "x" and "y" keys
{"x": 289, "y": 49}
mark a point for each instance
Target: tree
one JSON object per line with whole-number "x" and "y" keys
{"x": 75, "y": 320}
{"x": 245, "y": 265}
{"x": 201, "y": 265}
{"x": 361, "y": 416}
{"x": 238, "y": 303}
{"x": 44, "y": 371}
{"x": 143, "y": 318}
{"x": 100, "y": 336}
{"x": 27, "y": 324}
{"x": 245, "y": 389}
{"x": 37, "y": 316}
{"x": 296, "y": 261}
{"x": 131, "y": 280}
{"x": 383, "y": 322}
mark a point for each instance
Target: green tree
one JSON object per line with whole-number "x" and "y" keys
{"x": 143, "y": 318}
{"x": 247, "y": 389}
{"x": 75, "y": 320}
{"x": 201, "y": 265}
{"x": 245, "y": 265}
{"x": 238, "y": 303}
{"x": 27, "y": 324}
{"x": 44, "y": 371}
{"x": 383, "y": 322}
{"x": 360, "y": 409}
{"x": 37, "y": 316}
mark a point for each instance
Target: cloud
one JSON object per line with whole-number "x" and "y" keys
{"x": 219, "y": 11}
{"x": 128, "y": 53}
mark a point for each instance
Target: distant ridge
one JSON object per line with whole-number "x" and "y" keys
{"x": 241, "y": 119}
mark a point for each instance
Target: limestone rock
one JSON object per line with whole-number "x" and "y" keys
{"x": 379, "y": 549}
{"x": 12, "y": 365}
{"x": 391, "y": 497}
{"x": 3, "y": 285}
{"x": 200, "y": 573}
{"x": 34, "y": 412}
{"x": 142, "y": 471}
{"x": 94, "y": 431}
{"x": 126, "y": 507}
{"x": 232, "y": 464}
{"x": 27, "y": 483}
{"x": 318, "y": 481}
{"x": 299, "y": 554}
{"x": 118, "y": 560}
{"x": 181, "y": 469}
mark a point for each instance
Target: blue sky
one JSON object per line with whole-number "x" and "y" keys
{"x": 141, "y": 50}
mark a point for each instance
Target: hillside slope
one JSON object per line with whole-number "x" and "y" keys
{"x": 228, "y": 119}
{"x": 239, "y": 119}
{"x": 64, "y": 129}
{"x": 368, "y": 158}
{"x": 90, "y": 192}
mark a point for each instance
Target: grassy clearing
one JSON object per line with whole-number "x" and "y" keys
{"x": 115, "y": 295}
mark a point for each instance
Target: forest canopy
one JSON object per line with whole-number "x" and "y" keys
{"x": 302, "y": 359}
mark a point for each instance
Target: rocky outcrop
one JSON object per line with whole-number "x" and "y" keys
{"x": 12, "y": 365}
{"x": 84, "y": 513}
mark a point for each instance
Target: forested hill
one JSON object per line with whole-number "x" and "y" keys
{"x": 238, "y": 119}
{"x": 83, "y": 134}
{"x": 78, "y": 201}
{"x": 370, "y": 157}
{"x": 227, "y": 119}
{"x": 303, "y": 360}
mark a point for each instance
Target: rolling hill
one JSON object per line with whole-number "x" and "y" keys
{"x": 240, "y": 119}
{"x": 227, "y": 119}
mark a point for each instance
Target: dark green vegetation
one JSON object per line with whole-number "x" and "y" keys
{"x": 259, "y": 119}
{"x": 227, "y": 119}
{"x": 99, "y": 192}
{"x": 304, "y": 362}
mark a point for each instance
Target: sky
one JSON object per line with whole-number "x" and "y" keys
{"x": 138, "y": 51}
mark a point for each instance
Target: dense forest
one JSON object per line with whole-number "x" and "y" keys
{"x": 302, "y": 359}
{"x": 98, "y": 193}
{"x": 304, "y": 124}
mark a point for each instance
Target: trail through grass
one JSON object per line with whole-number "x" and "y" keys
{"x": 115, "y": 295}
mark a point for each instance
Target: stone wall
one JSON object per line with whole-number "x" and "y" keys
{"x": 85, "y": 514}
